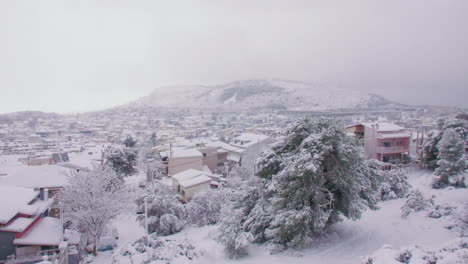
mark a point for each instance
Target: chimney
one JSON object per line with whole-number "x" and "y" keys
{"x": 43, "y": 194}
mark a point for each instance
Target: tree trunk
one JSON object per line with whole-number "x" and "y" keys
{"x": 95, "y": 245}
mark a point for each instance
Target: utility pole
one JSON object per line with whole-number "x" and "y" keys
{"x": 417, "y": 141}
{"x": 146, "y": 215}
{"x": 61, "y": 220}
{"x": 421, "y": 153}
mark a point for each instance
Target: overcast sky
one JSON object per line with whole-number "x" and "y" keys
{"x": 70, "y": 55}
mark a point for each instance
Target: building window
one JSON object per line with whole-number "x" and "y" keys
{"x": 387, "y": 144}
{"x": 399, "y": 143}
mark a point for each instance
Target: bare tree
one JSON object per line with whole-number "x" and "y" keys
{"x": 92, "y": 200}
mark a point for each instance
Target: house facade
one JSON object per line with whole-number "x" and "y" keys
{"x": 252, "y": 145}
{"x": 180, "y": 160}
{"x": 382, "y": 141}
{"x": 26, "y": 229}
{"x": 190, "y": 182}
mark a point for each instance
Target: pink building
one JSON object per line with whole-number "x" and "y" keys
{"x": 386, "y": 142}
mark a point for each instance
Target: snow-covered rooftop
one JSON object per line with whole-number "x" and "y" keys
{"x": 248, "y": 137}
{"x": 186, "y": 153}
{"x": 84, "y": 159}
{"x": 13, "y": 200}
{"x": 200, "y": 179}
{"x": 45, "y": 176}
{"x": 45, "y": 233}
{"x": 192, "y": 177}
{"x": 187, "y": 174}
{"x": 18, "y": 225}
{"x": 224, "y": 146}
{"x": 384, "y": 127}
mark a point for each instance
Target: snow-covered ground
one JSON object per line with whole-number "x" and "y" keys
{"x": 128, "y": 229}
{"x": 347, "y": 241}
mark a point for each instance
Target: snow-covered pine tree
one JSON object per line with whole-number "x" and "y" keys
{"x": 430, "y": 149}
{"x": 129, "y": 142}
{"x": 232, "y": 235}
{"x": 318, "y": 174}
{"x": 122, "y": 160}
{"x": 92, "y": 200}
{"x": 166, "y": 213}
{"x": 310, "y": 178}
{"x": 451, "y": 160}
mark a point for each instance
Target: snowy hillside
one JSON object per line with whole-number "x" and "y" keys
{"x": 265, "y": 94}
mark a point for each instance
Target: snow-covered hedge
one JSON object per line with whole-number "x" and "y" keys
{"x": 155, "y": 250}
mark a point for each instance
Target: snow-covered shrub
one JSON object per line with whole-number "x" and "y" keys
{"x": 454, "y": 252}
{"x": 394, "y": 185}
{"x": 451, "y": 160}
{"x": 439, "y": 211}
{"x": 153, "y": 249}
{"x": 205, "y": 207}
{"x": 404, "y": 256}
{"x": 458, "y": 220}
{"x": 415, "y": 202}
{"x": 166, "y": 213}
{"x": 367, "y": 260}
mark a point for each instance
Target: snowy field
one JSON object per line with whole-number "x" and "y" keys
{"x": 346, "y": 242}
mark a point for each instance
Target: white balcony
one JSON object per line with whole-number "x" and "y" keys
{"x": 398, "y": 149}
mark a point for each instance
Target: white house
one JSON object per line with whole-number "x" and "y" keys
{"x": 191, "y": 181}
{"x": 252, "y": 145}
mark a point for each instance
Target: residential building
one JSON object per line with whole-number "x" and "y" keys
{"x": 386, "y": 142}
{"x": 180, "y": 160}
{"x": 51, "y": 178}
{"x": 190, "y": 182}
{"x": 252, "y": 145}
{"x": 25, "y": 227}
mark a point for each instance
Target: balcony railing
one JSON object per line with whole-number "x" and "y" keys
{"x": 399, "y": 149}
